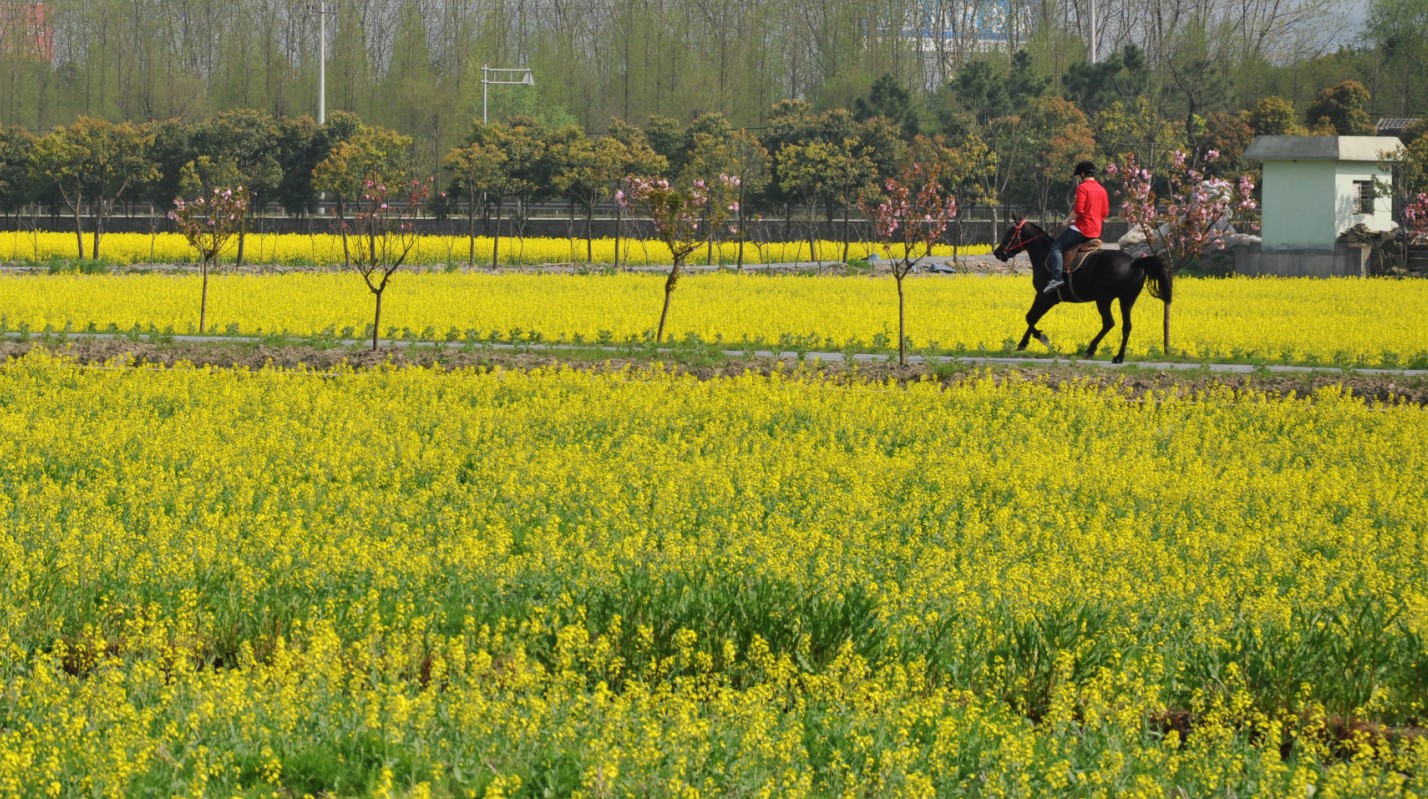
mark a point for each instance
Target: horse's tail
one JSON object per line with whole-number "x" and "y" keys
{"x": 1160, "y": 276}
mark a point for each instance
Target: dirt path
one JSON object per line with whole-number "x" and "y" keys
{"x": 1131, "y": 380}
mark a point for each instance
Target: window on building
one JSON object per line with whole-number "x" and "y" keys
{"x": 1365, "y": 197}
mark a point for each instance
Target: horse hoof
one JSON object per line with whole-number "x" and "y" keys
{"x": 1119, "y": 359}
{"x": 1046, "y": 342}
{"x": 1020, "y": 347}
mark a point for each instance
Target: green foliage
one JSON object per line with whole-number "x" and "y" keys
{"x": 888, "y": 99}
{"x": 91, "y": 163}
{"x": 1093, "y": 86}
{"x": 1274, "y": 116}
{"x": 17, "y": 145}
{"x": 1342, "y": 110}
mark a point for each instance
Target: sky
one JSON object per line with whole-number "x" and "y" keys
{"x": 1355, "y": 12}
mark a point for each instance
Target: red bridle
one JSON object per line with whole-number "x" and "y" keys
{"x": 1015, "y": 244}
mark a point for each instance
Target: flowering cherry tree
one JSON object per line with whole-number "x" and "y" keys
{"x": 907, "y": 223}
{"x": 683, "y": 219}
{"x": 209, "y": 222}
{"x": 1194, "y": 217}
{"x": 382, "y": 234}
{"x": 1415, "y": 219}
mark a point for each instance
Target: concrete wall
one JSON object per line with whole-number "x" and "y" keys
{"x": 1299, "y": 207}
{"x": 1341, "y": 261}
{"x": 1345, "y": 216}
{"x": 1307, "y": 204}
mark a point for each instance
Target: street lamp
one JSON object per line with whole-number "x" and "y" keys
{"x": 504, "y": 77}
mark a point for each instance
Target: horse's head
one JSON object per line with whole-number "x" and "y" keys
{"x": 1013, "y": 241}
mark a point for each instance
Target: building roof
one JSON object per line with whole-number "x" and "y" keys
{"x": 1392, "y": 126}
{"x": 1321, "y": 148}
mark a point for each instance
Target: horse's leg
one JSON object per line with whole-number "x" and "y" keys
{"x": 1104, "y": 306}
{"x": 1127, "y": 303}
{"x": 1039, "y": 307}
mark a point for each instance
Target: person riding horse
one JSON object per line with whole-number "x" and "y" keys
{"x": 1091, "y": 209}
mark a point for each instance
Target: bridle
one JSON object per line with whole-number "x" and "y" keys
{"x": 1015, "y": 243}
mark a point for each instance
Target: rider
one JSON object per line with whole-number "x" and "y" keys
{"x": 1091, "y": 209}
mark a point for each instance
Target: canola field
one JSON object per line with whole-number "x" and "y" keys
{"x": 1339, "y": 322}
{"x": 417, "y": 583}
{"x": 431, "y": 251}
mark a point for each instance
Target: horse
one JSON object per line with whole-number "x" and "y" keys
{"x": 1103, "y": 275}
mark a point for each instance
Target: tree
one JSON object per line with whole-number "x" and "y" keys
{"x": 1415, "y": 218}
{"x": 372, "y": 157}
{"x": 1093, "y": 86}
{"x": 1342, "y": 109}
{"x": 240, "y": 146}
{"x": 17, "y": 147}
{"x": 1229, "y": 135}
{"x": 1197, "y": 216}
{"x": 522, "y": 141}
{"x": 1399, "y": 28}
{"x": 1059, "y": 134}
{"x": 209, "y": 222}
{"x": 968, "y": 168}
{"x": 1274, "y": 116}
{"x": 300, "y": 148}
{"x": 682, "y": 218}
{"x": 827, "y": 171}
{"x": 640, "y": 159}
{"x": 475, "y": 169}
{"x": 888, "y": 99}
{"x": 587, "y": 171}
{"x": 93, "y": 162}
{"x": 752, "y": 165}
{"x": 908, "y": 223}
{"x": 384, "y": 234}
{"x": 1137, "y": 129}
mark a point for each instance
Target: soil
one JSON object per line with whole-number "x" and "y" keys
{"x": 1130, "y": 382}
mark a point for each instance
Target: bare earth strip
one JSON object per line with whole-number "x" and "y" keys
{"x": 1134, "y": 380}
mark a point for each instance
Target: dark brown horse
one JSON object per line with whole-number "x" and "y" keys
{"x": 1103, "y": 276}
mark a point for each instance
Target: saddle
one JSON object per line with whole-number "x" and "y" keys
{"x": 1076, "y": 256}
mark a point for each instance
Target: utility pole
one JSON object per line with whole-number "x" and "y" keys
{"x": 1092, "y": 37}
{"x": 321, "y": 13}
{"x": 322, "y": 58}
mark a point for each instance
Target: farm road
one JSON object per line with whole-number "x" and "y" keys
{"x": 1029, "y": 362}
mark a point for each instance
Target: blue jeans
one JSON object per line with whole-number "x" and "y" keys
{"x": 1055, "y": 261}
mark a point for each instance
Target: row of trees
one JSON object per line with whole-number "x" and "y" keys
{"x": 415, "y": 65}
{"x": 1005, "y": 143}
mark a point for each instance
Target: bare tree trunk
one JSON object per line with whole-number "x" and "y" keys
{"x": 619, "y": 217}
{"x": 471, "y": 233}
{"x": 242, "y": 239}
{"x": 496, "y": 240}
{"x": 668, "y": 290}
{"x": 901, "y": 326}
{"x": 377, "y": 320}
{"x": 589, "y": 243}
{"x": 79, "y": 233}
{"x": 1165, "y": 322}
{"x": 342, "y": 226}
{"x": 98, "y": 231}
{"x": 845, "y": 234}
{"x": 203, "y": 301}
{"x": 740, "y": 223}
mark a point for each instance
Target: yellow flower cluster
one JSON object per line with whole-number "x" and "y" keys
{"x": 1340, "y": 322}
{"x": 559, "y": 583}
{"x": 323, "y": 249}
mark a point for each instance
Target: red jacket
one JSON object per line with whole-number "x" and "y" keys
{"x": 1092, "y": 208}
